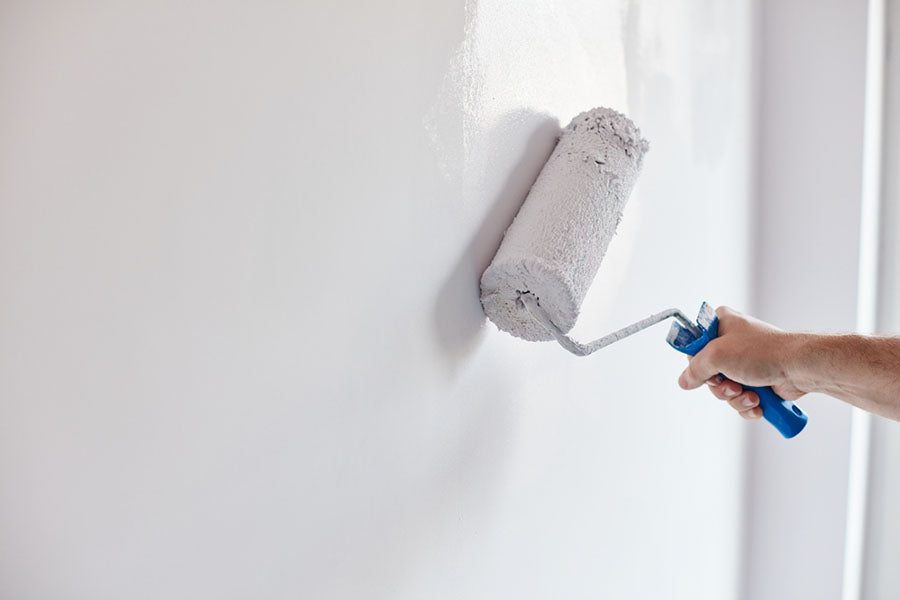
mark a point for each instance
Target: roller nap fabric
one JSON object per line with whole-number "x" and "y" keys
{"x": 554, "y": 246}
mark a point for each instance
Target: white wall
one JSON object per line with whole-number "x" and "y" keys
{"x": 811, "y": 106}
{"x": 241, "y": 350}
{"x": 880, "y": 576}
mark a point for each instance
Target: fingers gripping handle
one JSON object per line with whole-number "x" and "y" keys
{"x": 785, "y": 416}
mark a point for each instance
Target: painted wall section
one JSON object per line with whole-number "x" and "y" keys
{"x": 241, "y": 349}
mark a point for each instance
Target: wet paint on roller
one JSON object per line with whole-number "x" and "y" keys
{"x": 554, "y": 246}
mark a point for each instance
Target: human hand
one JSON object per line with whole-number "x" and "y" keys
{"x": 748, "y": 351}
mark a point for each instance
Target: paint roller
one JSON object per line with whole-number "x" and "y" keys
{"x": 549, "y": 256}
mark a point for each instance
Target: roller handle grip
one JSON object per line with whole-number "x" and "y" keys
{"x": 788, "y": 418}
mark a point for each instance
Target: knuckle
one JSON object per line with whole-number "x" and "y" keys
{"x": 732, "y": 388}
{"x": 724, "y": 311}
{"x": 728, "y": 317}
{"x": 718, "y": 393}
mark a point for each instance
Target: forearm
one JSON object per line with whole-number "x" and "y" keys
{"x": 861, "y": 370}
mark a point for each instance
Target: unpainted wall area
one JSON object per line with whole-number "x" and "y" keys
{"x": 241, "y": 350}
{"x": 812, "y": 67}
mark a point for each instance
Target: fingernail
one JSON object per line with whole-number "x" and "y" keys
{"x": 731, "y": 392}
{"x": 747, "y": 402}
{"x": 716, "y": 380}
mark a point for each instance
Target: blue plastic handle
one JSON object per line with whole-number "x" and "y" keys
{"x": 785, "y": 416}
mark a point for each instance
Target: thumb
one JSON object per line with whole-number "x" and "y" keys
{"x": 699, "y": 369}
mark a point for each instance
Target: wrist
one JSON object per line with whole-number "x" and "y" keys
{"x": 799, "y": 352}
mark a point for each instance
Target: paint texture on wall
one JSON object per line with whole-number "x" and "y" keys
{"x": 241, "y": 347}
